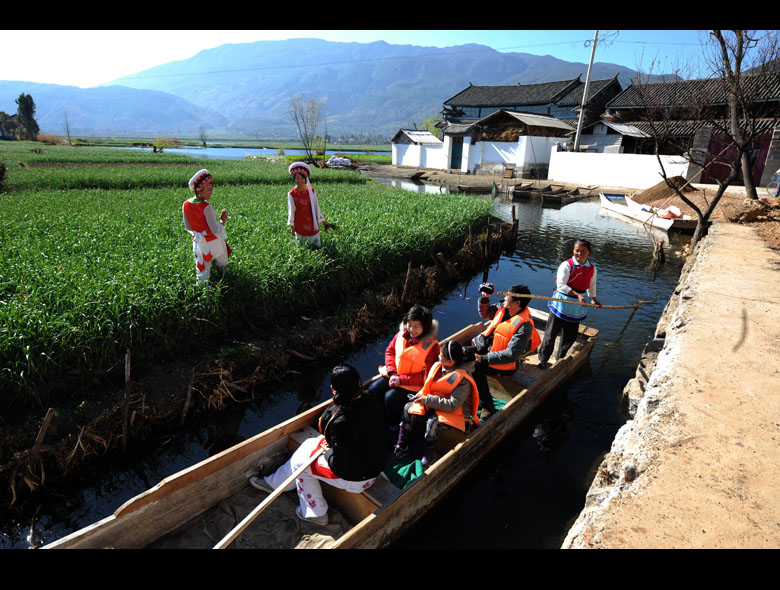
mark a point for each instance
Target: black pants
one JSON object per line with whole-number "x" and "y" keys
{"x": 479, "y": 374}
{"x": 393, "y": 399}
{"x": 554, "y": 326}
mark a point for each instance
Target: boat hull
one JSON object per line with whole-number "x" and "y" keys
{"x": 640, "y": 213}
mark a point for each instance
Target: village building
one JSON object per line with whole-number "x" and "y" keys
{"x": 488, "y": 129}
{"x": 673, "y": 118}
{"x": 418, "y": 148}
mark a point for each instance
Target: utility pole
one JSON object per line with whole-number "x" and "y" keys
{"x": 585, "y": 94}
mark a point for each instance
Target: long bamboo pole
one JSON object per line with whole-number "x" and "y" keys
{"x": 239, "y": 528}
{"x": 573, "y": 302}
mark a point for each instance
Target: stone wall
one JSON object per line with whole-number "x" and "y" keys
{"x": 622, "y": 464}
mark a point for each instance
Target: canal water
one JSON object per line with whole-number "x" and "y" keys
{"x": 527, "y": 492}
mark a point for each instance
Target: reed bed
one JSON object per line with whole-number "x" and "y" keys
{"x": 92, "y": 272}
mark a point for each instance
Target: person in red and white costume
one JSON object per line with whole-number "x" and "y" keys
{"x": 352, "y": 434}
{"x": 304, "y": 216}
{"x": 208, "y": 234}
{"x": 576, "y": 277}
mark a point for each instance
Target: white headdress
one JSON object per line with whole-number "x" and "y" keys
{"x": 199, "y": 177}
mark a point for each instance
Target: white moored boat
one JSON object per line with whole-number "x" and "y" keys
{"x": 669, "y": 219}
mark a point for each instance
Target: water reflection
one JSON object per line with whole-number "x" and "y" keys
{"x": 410, "y": 185}
{"x": 528, "y": 491}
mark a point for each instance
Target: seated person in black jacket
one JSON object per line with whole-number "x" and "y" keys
{"x": 353, "y": 434}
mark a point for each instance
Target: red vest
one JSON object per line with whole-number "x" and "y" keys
{"x": 443, "y": 384}
{"x": 193, "y": 209}
{"x": 303, "y": 219}
{"x": 504, "y": 330}
{"x": 579, "y": 275}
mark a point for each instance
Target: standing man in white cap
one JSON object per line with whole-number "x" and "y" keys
{"x": 208, "y": 233}
{"x": 304, "y": 216}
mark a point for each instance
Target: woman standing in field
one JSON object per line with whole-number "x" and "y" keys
{"x": 304, "y": 216}
{"x": 208, "y": 234}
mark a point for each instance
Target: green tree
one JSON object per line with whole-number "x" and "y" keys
{"x": 430, "y": 124}
{"x": 25, "y": 118}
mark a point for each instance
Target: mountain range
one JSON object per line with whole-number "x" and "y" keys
{"x": 244, "y": 89}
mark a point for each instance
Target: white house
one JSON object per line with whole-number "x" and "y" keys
{"x": 413, "y": 147}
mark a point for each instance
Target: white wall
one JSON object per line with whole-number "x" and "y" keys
{"x": 412, "y": 154}
{"x": 433, "y": 156}
{"x": 633, "y": 171}
{"x": 525, "y": 152}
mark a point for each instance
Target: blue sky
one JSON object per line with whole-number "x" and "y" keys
{"x": 87, "y": 58}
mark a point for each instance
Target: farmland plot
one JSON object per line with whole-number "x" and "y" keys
{"x": 91, "y": 272}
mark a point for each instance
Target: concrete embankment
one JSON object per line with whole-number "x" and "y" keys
{"x": 696, "y": 465}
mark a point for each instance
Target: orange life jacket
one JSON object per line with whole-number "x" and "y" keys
{"x": 410, "y": 359}
{"x": 443, "y": 384}
{"x": 503, "y": 330}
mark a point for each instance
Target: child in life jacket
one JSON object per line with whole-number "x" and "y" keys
{"x": 304, "y": 216}
{"x": 208, "y": 234}
{"x": 449, "y": 396}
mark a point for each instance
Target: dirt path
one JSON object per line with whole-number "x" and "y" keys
{"x": 697, "y": 465}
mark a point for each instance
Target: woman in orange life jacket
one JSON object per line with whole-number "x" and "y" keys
{"x": 408, "y": 359}
{"x": 208, "y": 234}
{"x": 510, "y": 335}
{"x": 449, "y": 396}
{"x": 575, "y": 278}
{"x": 355, "y": 452}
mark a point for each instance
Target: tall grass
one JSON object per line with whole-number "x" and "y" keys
{"x": 90, "y": 272}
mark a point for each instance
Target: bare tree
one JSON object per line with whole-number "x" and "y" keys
{"x": 308, "y": 116}
{"x": 739, "y": 67}
{"x": 737, "y": 57}
{"x": 202, "y": 136}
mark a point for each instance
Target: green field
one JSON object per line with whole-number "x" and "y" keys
{"x": 97, "y": 260}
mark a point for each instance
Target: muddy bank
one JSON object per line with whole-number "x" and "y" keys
{"x": 695, "y": 465}
{"x": 159, "y": 402}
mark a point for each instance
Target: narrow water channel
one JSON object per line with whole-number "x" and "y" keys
{"x": 527, "y": 492}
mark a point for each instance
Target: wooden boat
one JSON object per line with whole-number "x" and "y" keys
{"x": 646, "y": 214}
{"x": 206, "y": 492}
{"x": 475, "y": 190}
{"x": 552, "y": 195}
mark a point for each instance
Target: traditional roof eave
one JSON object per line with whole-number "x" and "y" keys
{"x": 527, "y": 119}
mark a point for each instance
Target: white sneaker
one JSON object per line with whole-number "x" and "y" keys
{"x": 320, "y": 520}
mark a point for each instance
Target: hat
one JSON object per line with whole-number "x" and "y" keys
{"x": 299, "y": 167}
{"x": 199, "y": 177}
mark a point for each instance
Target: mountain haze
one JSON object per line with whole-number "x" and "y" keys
{"x": 108, "y": 110}
{"x": 245, "y": 88}
{"x": 368, "y": 86}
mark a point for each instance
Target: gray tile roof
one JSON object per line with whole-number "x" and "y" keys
{"x": 513, "y": 95}
{"x": 705, "y": 92}
{"x": 574, "y": 97}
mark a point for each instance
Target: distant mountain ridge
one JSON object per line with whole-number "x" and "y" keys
{"x": 108, "y": 110}
{"x": 245, "y": 88}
